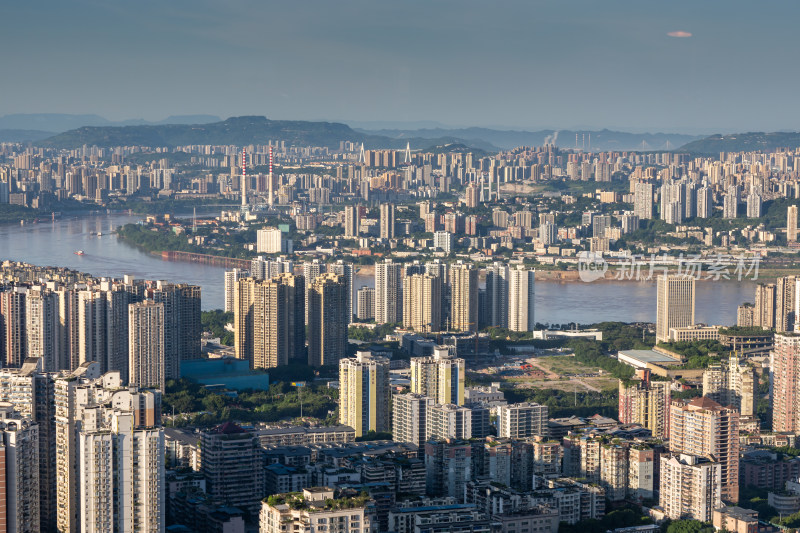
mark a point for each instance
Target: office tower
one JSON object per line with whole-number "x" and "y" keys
{"x": 366, "y": 303}
{"x": 41, "y": 327}
{"x": 364, "y": 393}
{"x": 146, "y": 345}
{"x": 269, "y": 330}
{"x": 13, "y": 324}
{"x": 448, "y": 421}
{"x": 443, "y": 240}
{"x": 317, "y": 505}
{"x": 409, "y": 418}
{"x": 121, "y": 468}
{"x": 278, "y": 328}
{"x": 522, "y": 420}
{"x": 388, "y": 292}
{"x": 675, "y": 305}
{"x": 753, "y": 205}
{"x": 764, "y": 314}
{"x": 463, "y": 297}
{"x": 730, "y": 203}
{"x": 231, "y": 277}
{"x": 785, "y": 295}
{"x": 689, "y": 487}
{"x": 521, "y": 299}
{"x": 422, "y": 303}
{"x": 270, "y": 241}
{"x": 439, "y": 377}
{"x": 351, "y": 221}
{"x": 791, "y": 223}
{"x": 785, "y": 370}
{"x": 19, "y": 461}
{"x": 232, "y": 462}
{"x": 345, "y": 270}
{"x": 182, "y": 328}
{"x": 327, "y": 323}
{"x": 497, "y": 295}
{"x": 703, "y": 428}
{"x": 646, "y": 403}
{"x": 732, "y": 383}
{"x": 311, "y": 269}
{"x": 387, "y": 222}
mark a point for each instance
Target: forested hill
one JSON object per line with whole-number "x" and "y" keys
{"x": 238, "y": 131}
{"x": 743, "y": 142}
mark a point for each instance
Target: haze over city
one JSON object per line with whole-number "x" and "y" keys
{"x": 680, "y": 66}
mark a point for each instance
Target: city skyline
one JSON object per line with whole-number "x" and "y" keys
{"x": 545, "y": 65}
{"x": 587, "y": 322}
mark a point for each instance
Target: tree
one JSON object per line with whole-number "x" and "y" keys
{"x": 689, "y": 526}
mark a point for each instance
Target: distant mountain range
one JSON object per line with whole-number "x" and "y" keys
{"x": 32, "y": 127}
{"x": 507, "y": 139}
{"x": 17, "y": 136}
{"x": 241, "y": 131}
{"x": 61, "y": 122}
{"x": 71, "y": 131}
{"x": 743, "y": 142}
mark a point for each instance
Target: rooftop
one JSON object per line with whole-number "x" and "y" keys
{"x": 646, "y": 356}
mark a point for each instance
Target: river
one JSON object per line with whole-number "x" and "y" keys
{"x": 54, "y": 243}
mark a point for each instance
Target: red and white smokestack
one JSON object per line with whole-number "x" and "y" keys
{"x": 244, "y": 177}
{"x": 270, "y": 176}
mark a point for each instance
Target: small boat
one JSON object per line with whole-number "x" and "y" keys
{"x": 99, "y": 233}
{"x": 80, "y": 252}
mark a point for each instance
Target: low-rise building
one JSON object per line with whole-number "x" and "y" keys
{"x": 316, "y": 509}
{"x": 303, "y": 436}
{"x": 735, "y": 520}
{"x": 539, "y": 519}
{"x": 440, "y": 518}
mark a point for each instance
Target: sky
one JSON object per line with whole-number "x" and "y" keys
{"x": 693, "y": 66}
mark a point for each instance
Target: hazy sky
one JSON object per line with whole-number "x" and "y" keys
{"x": 527, "y": 64}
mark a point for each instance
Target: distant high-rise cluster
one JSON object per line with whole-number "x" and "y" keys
{"x": 122, "y": 325}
